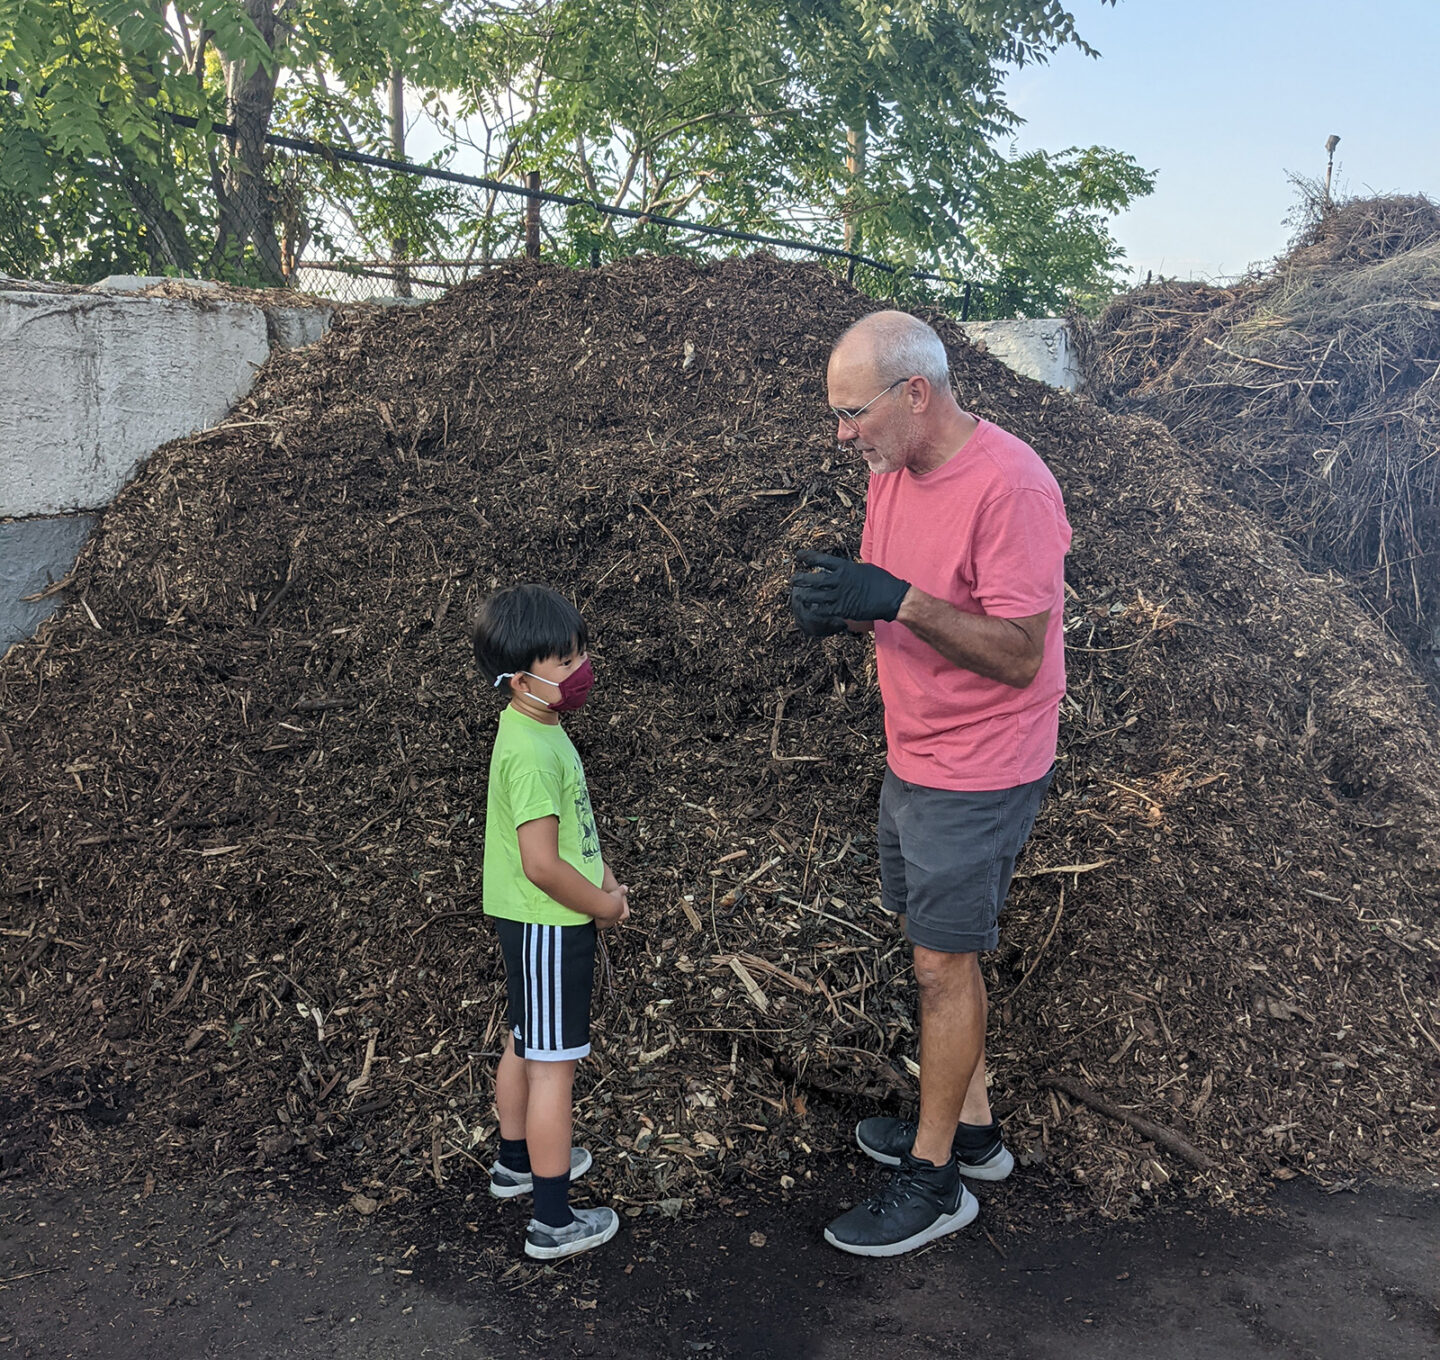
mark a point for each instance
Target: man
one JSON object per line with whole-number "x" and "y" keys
{"x": 962, "y": 581}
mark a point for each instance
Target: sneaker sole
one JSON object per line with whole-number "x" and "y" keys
{"x": 884, "y": 1158}
{"x": 949, "y": 1223}
{"x": 996, "y": 1168}
{"x": 512, "y": 1191}
{"x": 573, "y": 1248}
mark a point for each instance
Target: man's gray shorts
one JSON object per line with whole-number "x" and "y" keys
{"x": 946, "y": 858}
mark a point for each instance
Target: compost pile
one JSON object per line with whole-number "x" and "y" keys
{"x": 245, "y": 772}
{"x": 1313, "y": 394}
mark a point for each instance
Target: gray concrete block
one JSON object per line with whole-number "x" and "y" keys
{"x": 35, "y": 553}
{"x": 296, "y": 327}
{"x": 93, "y": 383}
{"x": 134, "y": 283}
{"x": 1038, "y": 348}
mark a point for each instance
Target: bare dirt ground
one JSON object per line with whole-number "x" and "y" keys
{"x": 267, "y": 1269}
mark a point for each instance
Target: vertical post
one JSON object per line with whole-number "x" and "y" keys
{"x": 1331, "y": 142}
{"x": 399, "y": 242}
{"x": 965, "y": 305}
{"x": 532, "y": 216}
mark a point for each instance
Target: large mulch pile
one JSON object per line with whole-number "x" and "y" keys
{"x": 245, "y": 768}
{"x": 1312, "y": 393}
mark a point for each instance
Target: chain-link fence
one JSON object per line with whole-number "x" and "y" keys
{"x": 348, "y": 225}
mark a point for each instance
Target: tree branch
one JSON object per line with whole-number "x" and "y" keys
{"x": 186, "y": 48}
{"x": 629, "y": 175}
{"x": 587, "y": 173}
{"x": 696, "y": 121}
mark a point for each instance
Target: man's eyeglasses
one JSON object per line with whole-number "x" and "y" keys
{"x": 852, "y": 418}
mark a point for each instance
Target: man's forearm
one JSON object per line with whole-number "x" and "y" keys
{"x": 1006, "y": 650}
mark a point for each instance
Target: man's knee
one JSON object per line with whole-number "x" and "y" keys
{"x": 937, "y": 972}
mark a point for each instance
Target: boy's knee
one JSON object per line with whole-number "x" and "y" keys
{"x": 550, "y": 1072}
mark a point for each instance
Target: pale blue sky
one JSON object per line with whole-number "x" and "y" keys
{"x": 1225, "y": 99}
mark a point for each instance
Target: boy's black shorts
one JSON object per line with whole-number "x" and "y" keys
{"x": 549, "y": 971}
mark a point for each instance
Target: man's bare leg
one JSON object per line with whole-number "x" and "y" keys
{"x": 952, "y": 1046}
{"x": 976, "y": 1109}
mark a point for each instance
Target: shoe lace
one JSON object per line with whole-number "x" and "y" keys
{"x": 899, "y": 1186}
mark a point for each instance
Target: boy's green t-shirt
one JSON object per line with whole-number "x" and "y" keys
{"x": 535, "y": 771}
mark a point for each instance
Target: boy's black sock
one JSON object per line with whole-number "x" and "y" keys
{"x": 552, "y": 1200}
{"x": 976, "y": 1137}
{"x": 514, "y": 1154}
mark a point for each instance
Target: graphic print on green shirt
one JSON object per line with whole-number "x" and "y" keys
{"x": 535, "y": 771}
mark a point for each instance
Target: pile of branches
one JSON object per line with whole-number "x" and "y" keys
{"x": 1313, "y": 391}
{"x": 244, "y": 774}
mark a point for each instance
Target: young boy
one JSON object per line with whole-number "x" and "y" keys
{"x": 547, "y": 889}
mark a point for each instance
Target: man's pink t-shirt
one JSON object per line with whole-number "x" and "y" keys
{"x": 987, "y": 532}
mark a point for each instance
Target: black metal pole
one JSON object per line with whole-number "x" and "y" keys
{"x": 532, "y": 216}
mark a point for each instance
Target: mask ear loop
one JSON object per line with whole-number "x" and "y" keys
{"x": 510, "y": 675}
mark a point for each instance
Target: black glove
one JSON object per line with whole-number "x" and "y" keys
{"x": 812, "y": 622}
{"x": 841, "y": 589}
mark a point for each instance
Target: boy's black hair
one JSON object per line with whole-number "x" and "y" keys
{"x": 520, "y": 625}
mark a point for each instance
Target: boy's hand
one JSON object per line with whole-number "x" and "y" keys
{"x": 619, "y": 900}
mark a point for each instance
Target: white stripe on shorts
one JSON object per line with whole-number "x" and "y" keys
{"x": 545, "y": 993}
{"x": 532, "y": 1009}
{"x": 557, "y": 991}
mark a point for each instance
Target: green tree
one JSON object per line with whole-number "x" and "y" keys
{"x": 91, "y": 155}
{"x": 868, "y": 123}
{"x": 1038, "y": 239}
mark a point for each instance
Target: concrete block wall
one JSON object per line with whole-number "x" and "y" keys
{"x": 1040, "y": 348}
{"x": 93, "y": 381}
{"x": 34, "y": 555}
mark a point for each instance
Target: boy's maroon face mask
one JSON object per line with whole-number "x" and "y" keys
{"x": 574, "y": 688}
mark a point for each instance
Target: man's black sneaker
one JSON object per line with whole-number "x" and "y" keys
{"x": 887, "y": 1140}
{"x": 993, "y": 1162}
{"x": 590, "y": 1228}
{"x": 506, "y": 1184}
{"x": 922, "y": 1202}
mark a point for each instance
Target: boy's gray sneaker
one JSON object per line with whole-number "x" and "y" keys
{"x": 921, "y": 1203}
{"x": 888, "y": 1140}
{"x": 506, "y": 1184}
{"x": 590, "y": 1228}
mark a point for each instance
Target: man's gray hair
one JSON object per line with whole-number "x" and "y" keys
{"x": 903, "y": 346}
